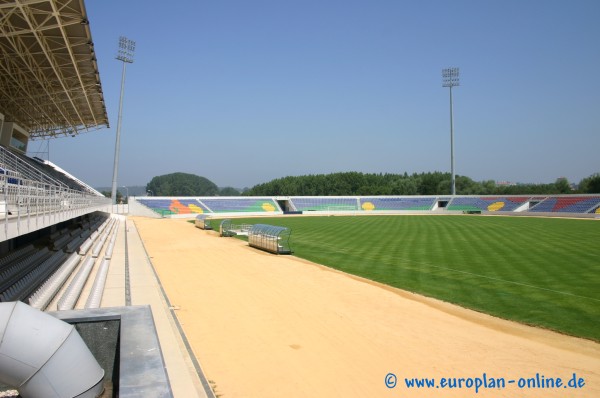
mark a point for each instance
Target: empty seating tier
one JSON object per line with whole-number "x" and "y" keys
{"x": 325, "y": 203}
{"x": 486, "y": 203}
{"x": 240, "y": 205}
{"x": 33, "y": 169}
{"x": 568, "y": 204}
{"x": 391, "y": 203}
{"x": 174, "y": 206}
{"x": 222, "y": 205}
{"x": 35, "y": 272}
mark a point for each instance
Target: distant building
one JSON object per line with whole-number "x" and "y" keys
{"x": 505, "y": 183}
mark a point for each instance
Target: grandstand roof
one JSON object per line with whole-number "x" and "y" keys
{"x": 49, "y": 79}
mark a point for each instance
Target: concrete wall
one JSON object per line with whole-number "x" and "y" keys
{"x": 125, "y": 343}
{"x": 10, "y": 130}
{"x": 4, "y": 132}
{"x": 138, "y": 209}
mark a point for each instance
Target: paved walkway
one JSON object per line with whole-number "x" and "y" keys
{"x": 130, "y": 261}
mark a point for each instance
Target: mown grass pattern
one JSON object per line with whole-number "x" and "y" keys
{"x": 543, "y": 272}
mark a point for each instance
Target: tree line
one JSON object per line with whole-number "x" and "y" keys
{"x": 363, "y": 184}
{"x": 431, "y": 183}
{"x": 185, "y": 184}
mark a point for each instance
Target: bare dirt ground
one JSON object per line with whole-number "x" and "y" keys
{"x": 263, "y": 325}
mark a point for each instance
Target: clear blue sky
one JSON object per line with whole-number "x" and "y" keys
{"x": 242, "y": 92}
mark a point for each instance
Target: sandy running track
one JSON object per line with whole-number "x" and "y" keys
{"x": 263, "y": 325}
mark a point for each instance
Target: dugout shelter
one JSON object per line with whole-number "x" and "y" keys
{"x": 271, "y": 238}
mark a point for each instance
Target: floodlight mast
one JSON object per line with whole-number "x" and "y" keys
{"x": 450, "y": 79}
{"x": 125, "y": 55}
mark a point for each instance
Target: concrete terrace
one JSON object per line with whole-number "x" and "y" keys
{"x": 131, "y": 280}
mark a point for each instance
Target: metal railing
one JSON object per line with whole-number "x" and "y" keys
{"x": 27, "y": 193}
{"x": 13, "y": 165}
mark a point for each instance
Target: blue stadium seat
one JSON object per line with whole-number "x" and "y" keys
{"x": 325, "y": 203}
{"x": 399, "y": 203}
{"x": 242, "y": 205}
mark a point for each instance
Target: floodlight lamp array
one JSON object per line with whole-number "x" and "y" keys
{"x": 450, "y": 77}
{"x": 126, "y": 50}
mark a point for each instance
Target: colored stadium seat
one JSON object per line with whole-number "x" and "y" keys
{"x": 487, "y": 203}
{"x": 568, "y": 204}
{"x": 210, "y": 205}
{"x": 235, "y": 205}
{"x": 325, "y": 203}
{"x": 399, "y": 203}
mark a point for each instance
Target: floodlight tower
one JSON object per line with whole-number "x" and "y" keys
{"x": 450, "y": 79}
{"x": 125, "y": 55}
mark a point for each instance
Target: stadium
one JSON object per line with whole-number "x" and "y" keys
{"x": 153, "y": 300}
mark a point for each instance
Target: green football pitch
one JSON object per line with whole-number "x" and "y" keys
{"x": 538, "y": 271}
